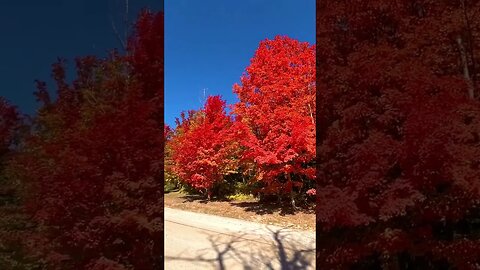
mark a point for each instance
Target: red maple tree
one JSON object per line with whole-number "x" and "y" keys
{"x": 93, "y": 164}
{"x": 205, "y": 146}
{"x": 398, "y": 134}
{"x": 276, "y": 112}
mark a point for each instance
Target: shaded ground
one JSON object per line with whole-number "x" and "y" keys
{"x": 249, "y": 210}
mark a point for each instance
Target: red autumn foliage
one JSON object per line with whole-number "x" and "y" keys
{"x": 146, "y": 50}
{"x": 276, "y": 110}
{"x": 9, "y": 124}
{"x": 205, "y": 146}
{"x": 93, "y": 165}
{"x": 398, "y": 134}
{"x": 166, "y": 132}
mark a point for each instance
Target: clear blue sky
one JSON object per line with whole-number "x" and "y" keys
{"x": 34, "y": 33}
{"x": 209, "y": 43}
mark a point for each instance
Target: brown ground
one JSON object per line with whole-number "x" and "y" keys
{"x": 251, "y": 210}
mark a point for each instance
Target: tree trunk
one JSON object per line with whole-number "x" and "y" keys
{"x": 311, "y": 114}
{"x": 292, "y": 199}
{"x": 466, "y": 72}
{"x": 468, "y": 29}
{"x": 292, "y": 193}
{"x": 209, "y": 194}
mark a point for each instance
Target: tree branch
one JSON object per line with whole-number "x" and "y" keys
{"x": 117, "y": 34}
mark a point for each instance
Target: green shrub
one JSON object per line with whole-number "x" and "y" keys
{"x": 240, "y": 197}
{"x": 170, "y": 186}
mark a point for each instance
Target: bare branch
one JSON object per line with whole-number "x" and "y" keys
{"x": 126, "y": 20}
{"x": 122, "y": 38}
{"x": 117, "y": 34}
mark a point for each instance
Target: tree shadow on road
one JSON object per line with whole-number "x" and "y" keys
{"x": 255, "y": 251}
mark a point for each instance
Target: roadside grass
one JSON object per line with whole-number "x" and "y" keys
{"x": 240, "y": 197}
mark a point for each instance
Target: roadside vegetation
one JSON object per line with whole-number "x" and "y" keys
{"x": 264, "y": 147}
{"x": 80, "y": 181}
{"x": 399, "y": 137}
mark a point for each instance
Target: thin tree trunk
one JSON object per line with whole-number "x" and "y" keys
{"x": 466, "y": 72}
{"x": 471, "y": 51}
{"x": 311, "y": 113}
{"x": 292, "y": 198}
{"x": 125, "y": 21}
{"x": 292, "y": 193}
{"x": 209, "y": 194}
